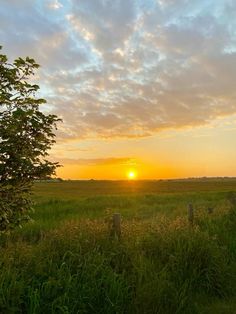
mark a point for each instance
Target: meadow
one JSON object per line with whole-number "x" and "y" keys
{"x": 65, "y": 261}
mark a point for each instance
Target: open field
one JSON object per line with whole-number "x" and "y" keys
{"x": 73, "y": 189}
{"x": 64, "y": 261}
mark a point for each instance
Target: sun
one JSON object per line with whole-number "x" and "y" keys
{"x": 131, "y": 175}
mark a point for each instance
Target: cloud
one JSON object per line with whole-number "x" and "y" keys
{"x": 106, "y": 23}
{"x": 32, "y": 30}
{"x": 128, "y": 68}
{"x": 99, "y": 161}
{"x": 54, "y": 5}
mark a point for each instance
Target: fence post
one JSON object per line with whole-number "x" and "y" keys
{"x": 190, "y": 214}
{"x": 116, "y": 226}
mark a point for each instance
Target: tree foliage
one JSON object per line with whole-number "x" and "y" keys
{"x": 26, "y": 135}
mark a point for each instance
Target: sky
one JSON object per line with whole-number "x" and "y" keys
{"x": 141, "y": 85}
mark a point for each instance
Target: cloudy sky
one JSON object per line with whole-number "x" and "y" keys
{"x": 148, "y": 85}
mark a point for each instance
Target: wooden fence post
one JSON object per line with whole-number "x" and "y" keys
{"x": 190, "y": 214}
{"x": 116, "y": 226}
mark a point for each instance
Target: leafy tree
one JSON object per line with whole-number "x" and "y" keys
{"x": 26, "y": 135}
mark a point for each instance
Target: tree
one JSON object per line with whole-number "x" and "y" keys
{"x": 26, "y": 135}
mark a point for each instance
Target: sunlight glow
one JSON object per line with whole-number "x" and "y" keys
{"x": 131, "y": 175}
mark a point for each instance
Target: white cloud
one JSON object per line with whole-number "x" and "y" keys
{"x": 129, "y": 68}
{"x": 55, "y": 5}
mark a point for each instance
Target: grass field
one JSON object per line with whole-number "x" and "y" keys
{"x": 64, "y": 260}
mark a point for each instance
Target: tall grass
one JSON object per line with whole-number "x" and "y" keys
{"x": 65, "y": 262}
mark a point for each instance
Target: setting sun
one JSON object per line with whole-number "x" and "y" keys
{"x": 132, "y": 175}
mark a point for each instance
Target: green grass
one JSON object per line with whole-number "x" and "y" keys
{"x": 75, "y": 189}
{"x": 64, "y": 261}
